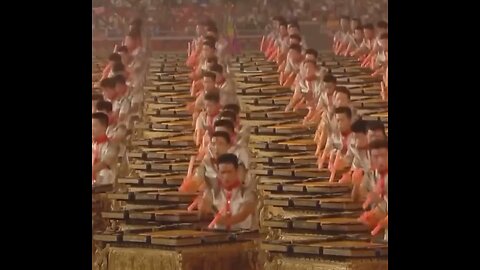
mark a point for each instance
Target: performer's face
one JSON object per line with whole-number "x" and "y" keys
{"x": 131, "y": 43}
{"x": 276, "y": 24}
{"x": 219, "y": 77}
{"x": 228, "y": 173}
{"x": 97, "y": 128}
{"x": 344, "y": 24}
{"x": 219, "y": 146}
{"x": 124, "y": 58}
{"x": 208, "y": 83}
{"x": 200, "y": 30}
{"x": 361, "y": 141}
{"x": 310, "y": 57}
{"x": 373, "y": 135}
{"x": 211, "y": 107}
{"x": 109, "y": 93}
{"x": 330, "y": 87}
{"x": 343, "y": 122}
{"x": 381, "y": 30}
{"x": 110, "y": 115}
{"x": 211, "y": 34}
{"x": 230, "y": 132}
{"x": 311, "y": 70}
{"x": 121, "y": 89}
{"x": 380, "y": 159}
{"x": 207, "y": 51}
{"x": 358, "y": 35}
{"x": 341, "y": 100}
{"x": 354, "y": 24}
{"x": 210, "y": 65}
{"x": 295, "y": 55}
{"x": 369, "y": 33}
{"x": 293, "y": 30}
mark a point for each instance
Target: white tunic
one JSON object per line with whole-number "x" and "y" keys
{"x": 324, "y": 103}
{"x": 340, "y": 143}
{"x": 282, "y": 43}
{"x": 221, "y": 46}
{"x": 370, "y": 185}
{"x": 243, "y": 136}
{"x": 243, "y": 156}
{"x": 292, "y": 66}
{"x": 239, "y": 197}
{"x": 122, "y": 105}
{"x": 228, "y": 92}
{"x": 356, "y": 44}
{"x": 339, "y": 36}
{"x": 208, "y": 171}
{"x": 368, "y": 43}
{"x": 138, "y": 66}
{"x": 304, "y": 43}
{"x": 108, "y": 153}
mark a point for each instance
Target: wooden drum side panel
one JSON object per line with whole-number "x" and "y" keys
{"x": 280, "y": 262}
{"x": 145, "y": 259}
{"x": 211, "y": 257}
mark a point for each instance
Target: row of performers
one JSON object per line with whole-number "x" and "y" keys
{"x": 118, "y": 103}
{"x": 345, "y": 142}
{"x": 226, "y": 185}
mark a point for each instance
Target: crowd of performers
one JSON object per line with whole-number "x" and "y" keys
{"x": 223, "y": 178}
{"x": 347, "y": 145}
{"x": 118, "y": 104}
{"x": 355, "y": 149}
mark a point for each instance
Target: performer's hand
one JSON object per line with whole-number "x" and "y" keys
{"x": 188, "y": 185}
{"x": 201, "y": 152}
{"x": 339, "y": 163}
{"x": 368, "y": 219}
{"x": 378, "y": 72}
{"x": 190, "y": 107}
{"x": 204, "y": 206}
{"x": 194, "y": 204}
{"x": 321, "y": 161}
{"x": 346, "y": 178}
{"x": 357, "y": 176}
{"x": 383, "y": 91}
{"x": 116, "y": 139}
{"x": 372, "y": 217}
{"x": 224, "y": 220}
{"x": 331, "y": 160}
{"x": 372, "y": 197}
{"x": 380, "y": 226}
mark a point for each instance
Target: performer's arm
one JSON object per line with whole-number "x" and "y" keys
{"x": 246, "y": 210}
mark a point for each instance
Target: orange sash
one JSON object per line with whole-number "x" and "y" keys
{"x": 290, "y": 79}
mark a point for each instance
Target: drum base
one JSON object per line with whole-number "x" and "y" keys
{"x": 280, "y": 262}
{"x": 241, "y": 256}
{"x": 100, "y": 203}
